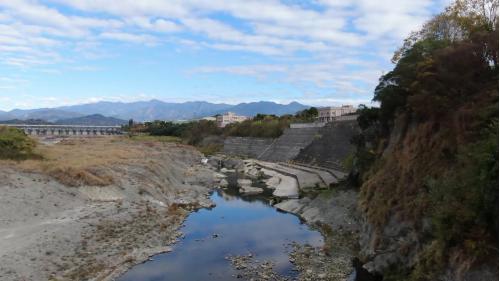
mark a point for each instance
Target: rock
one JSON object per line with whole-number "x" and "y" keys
{"x": 244, "y": 182}
{"x": 219, "y": 176}
{"x": 291, "y": 206}
{"x": 223, "y": 183}
{"x": 232, "y": 163}
{"x": 214, "y": 161}
{"x": 250, "y": 190}
{"x": 224, "y": 170}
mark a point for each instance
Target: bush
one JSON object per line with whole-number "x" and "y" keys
{"x": 15, "y": 144}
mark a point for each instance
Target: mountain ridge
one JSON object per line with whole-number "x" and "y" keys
{"x": 152, "y": 110}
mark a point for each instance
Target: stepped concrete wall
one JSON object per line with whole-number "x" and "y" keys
{"x": 326, "y": 146}
{"x": 333, "y": 147}
{"x": 246, "y": 146}
{"x": 289, "y": 144}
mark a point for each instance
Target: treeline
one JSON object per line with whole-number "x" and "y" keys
{"x": 430, "y": 151}
{"x": 193, "y": 133}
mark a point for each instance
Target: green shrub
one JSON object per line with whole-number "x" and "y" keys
{"x": 15, "y": 144}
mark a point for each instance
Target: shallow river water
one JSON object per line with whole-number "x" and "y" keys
{"x": 236, "y": 226}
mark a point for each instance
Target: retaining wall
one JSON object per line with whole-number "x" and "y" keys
{"x": 333, "y": 147}
{"x": 289, "y": 144}
{"x": 246, "y": 146}
{"x": 326, "y": 146}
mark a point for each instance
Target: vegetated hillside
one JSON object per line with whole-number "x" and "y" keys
{"x": 94, "y": 119}
{"x": 427, "y": 159}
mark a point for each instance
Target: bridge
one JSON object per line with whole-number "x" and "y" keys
{"x": 66, "y": 130}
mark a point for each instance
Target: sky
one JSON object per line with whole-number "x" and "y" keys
{"x": 317, "y": 52}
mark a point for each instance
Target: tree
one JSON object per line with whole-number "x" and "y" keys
{"x": 307, "y": 114}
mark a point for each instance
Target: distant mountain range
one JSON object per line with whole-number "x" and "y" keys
{"x": 149, "y": 110}
{"x": 94, "y": 119}
{"x": 27, "y": 121}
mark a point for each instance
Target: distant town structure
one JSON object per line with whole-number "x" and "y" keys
{"x": 228, "y": 118}
{"x": 327, "y": 114}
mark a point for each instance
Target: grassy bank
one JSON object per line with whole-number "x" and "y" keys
{"x": 81, "y": 161}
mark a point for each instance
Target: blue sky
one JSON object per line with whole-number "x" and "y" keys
{"x": 318, "y": 52}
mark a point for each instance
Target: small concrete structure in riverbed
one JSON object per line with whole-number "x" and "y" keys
{"x": 66, "y": 130}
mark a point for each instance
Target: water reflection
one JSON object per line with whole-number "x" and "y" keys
{"x": 241, "y": 227}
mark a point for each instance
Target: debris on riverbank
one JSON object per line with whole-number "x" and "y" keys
{"x": 317, "y": 264}
{"x": 251, "y": 269}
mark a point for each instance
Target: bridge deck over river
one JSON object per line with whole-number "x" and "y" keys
{"x": 43, "y": 130}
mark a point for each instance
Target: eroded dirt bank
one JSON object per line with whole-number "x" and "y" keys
{"x": 112, "y": 204}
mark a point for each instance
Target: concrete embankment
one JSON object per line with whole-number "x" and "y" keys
{"x": 288, "y": 145}
{"x": 246, "y": 147}
{"x": 50, "y": 231}
{"x": 333, "y": 147}
{"x": 289, "y": 180}
{"x": 326, "y": 146}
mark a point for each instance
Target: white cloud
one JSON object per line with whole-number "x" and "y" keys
{"x": 321, "y": 46}
{"x": 129, "y": 37}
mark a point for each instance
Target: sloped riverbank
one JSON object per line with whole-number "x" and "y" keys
{"x": 51, "y": 231}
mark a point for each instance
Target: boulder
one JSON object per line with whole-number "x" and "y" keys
{"x": 231, "y": 163}
{"x": 244, "y": 182}
{"x": 223, "y": 183}
{"x": 251, "y": 190}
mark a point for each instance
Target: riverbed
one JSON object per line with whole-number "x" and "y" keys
{"x": 237, "y": 226}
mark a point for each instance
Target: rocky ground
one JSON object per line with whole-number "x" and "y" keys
{"x": 333, "y": 212}
{"x": 51, "y": 231}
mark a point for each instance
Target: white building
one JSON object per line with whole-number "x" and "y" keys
{"x": 327, "y": 114}
{"x": 228, "y": 118}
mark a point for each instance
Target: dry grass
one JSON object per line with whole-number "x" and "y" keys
{"x": 83, "y": 161}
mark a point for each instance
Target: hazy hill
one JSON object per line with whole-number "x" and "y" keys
{"x": 148, "y": 110}
{"x": 28, "y": 121}
{"x": 152, "y": 110}
{"x": 47, "y": 114}
{"x": 266, "y": 107}
{"x": 94, "y": 119}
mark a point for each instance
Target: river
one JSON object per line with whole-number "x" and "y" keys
{"x": 236, "y": 226}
